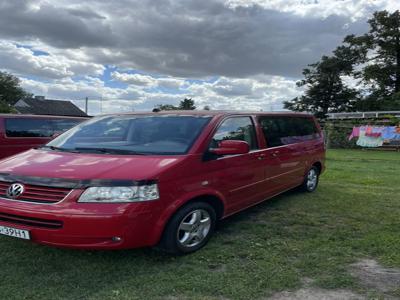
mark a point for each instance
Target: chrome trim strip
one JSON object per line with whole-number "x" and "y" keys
{"x": 32, "y": 202}
{"x": 266, "y": 179}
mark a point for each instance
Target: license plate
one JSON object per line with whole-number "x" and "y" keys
{"x": 14, "y": 232}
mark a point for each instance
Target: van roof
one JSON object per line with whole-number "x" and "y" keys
{"x": 215, "y": 113}
{"x": 172, "y": 112}
{"x": 39, "y": 116}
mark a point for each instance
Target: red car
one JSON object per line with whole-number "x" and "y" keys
{"x": 19, "y": 133}
{"x": 165, "y": 179}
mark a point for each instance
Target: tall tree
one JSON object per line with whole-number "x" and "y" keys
{"x": 376, "y": 60}
{"x": 187, "y": 104}
{"x": 10, "y": 91}
{"x": 325, "y": 90}
{"x": 160, "y": 107}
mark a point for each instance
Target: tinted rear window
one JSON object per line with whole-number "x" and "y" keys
{"x": 30, "y": 127}
{"x": 279, "y": 131}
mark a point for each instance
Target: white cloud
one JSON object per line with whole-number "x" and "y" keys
{"x": 147, "y": 81}
{"x": 23, "y": 61}
{"x": 258, "y": 93}
{"x": 354, "y": 9}
{"x": 187, "y": 38}
{"x": 228, "y": 54}
{"x": 68, "y": 89}
{"x": 135, "y": 79}
{"x": 170, "y": 82}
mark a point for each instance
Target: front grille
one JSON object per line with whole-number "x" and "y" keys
{"x": 35, "y": 222}
{"x": 36, "y": 194}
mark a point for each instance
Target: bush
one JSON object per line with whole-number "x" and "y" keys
{"x": 337, "y": 136}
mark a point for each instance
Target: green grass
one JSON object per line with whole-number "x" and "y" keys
{"x": 271, "y": 247}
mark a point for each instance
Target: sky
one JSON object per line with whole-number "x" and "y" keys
{"x": 129, "y": 55}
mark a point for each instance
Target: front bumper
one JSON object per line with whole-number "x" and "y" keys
{"x": 84, "y": 226}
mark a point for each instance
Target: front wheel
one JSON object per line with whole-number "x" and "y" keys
{"x": 311, "y": 180}
{"x": 189, "y": 229}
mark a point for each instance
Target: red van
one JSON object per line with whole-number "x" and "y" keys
{"x": 146, "y": 179}
{"x": 19, "y": 133}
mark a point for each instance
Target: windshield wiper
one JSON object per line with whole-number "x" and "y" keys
{"x": 109, "y": 151}
{"x": 57, "y": 149}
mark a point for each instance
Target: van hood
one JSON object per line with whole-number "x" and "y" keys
{"x": 86, "y": 166}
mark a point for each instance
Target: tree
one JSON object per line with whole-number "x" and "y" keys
{"x": 166, "y": 107}
{"x": 10, "y": 91}
{"x": 206, "y": 107}
{"x": 187, "y": 104}
{"x": 375, "y": 57}
{"x": 325, "y": 91}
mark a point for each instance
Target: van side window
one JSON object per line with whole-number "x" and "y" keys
{"x": 236, "y": 128}
{"x": 21, "y": 127}
{"x": 279, "y": 131}
{"x": 28, "y": 127}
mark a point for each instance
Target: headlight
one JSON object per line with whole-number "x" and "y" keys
{"x": 117, "y": 194}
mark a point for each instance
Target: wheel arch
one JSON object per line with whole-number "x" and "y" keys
{"x": 318, "y": 165}
{"x": 214, "y": 199}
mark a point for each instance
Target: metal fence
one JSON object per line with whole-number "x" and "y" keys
{"x": 362, "y": 115}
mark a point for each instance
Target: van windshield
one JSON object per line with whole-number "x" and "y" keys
{"x": 132, "y": 134}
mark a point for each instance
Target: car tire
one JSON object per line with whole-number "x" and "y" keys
{"x": 311, "y": 180}
{"x": 189, "y": 229}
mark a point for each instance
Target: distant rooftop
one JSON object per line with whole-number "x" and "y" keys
{"x": 41, "y": 106}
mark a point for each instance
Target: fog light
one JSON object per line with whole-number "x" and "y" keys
{"x": 116, "y": 239}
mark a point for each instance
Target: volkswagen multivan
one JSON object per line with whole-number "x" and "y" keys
{"x": 155, "y": 179}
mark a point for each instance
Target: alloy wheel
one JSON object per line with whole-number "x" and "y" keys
{"x": 194, "y": 228}
{"x": 312, "y": 179}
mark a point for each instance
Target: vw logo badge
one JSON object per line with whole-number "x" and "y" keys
{"x": 15, "y": 190}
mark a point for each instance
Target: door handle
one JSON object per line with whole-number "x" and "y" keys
{"x": 261, "y": 156}
{"x": 274, "y": 153}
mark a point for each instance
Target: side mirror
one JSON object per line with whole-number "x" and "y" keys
{"x": 231, "y": 147}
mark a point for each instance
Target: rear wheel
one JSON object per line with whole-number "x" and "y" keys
{"x": 311, "y": 180}
{"x": 189, "y": 229}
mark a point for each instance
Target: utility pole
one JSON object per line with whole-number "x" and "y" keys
{"x": 86, "y": 105}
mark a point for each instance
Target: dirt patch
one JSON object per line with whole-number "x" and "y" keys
{"x": 307, "y": 281}
{"x": 217, "y": 268}
{"x": 317, "y": 294}
{"x": 373, "y": 275}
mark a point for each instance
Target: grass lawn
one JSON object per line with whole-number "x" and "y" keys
{"x": 272, "y": 247}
